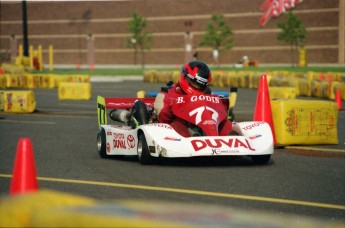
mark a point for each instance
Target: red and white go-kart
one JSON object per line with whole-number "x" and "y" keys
{"x": 151, "y": 140}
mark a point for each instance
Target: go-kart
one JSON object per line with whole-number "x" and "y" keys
{"x": 143, "y": 136}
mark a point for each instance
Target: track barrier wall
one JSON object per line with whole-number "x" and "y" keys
{"x": 23, "y": 101}
{"x": 282, "y": 85}
{"x": 312, "y": 84}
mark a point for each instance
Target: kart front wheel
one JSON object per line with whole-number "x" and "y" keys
{"x": 261, "y": 159}
{"x": 101, "y": 144}
{"x": 143, "y": 151}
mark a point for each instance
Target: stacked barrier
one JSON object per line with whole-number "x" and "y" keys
{"x": 23, "y": 101}
{"x": 311, "y": 84}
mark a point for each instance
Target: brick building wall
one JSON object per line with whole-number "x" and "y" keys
{"x": 65, "y": 25}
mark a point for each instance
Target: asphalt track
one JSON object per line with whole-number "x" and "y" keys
{"x": 308, "y": 180}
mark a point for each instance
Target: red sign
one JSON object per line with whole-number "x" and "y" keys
{"x": 273, "y": 8}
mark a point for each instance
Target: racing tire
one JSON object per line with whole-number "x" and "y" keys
{"x": 143, "y": 151}
{"x": 261, "y": 159}
{"x": 102, "y": 144}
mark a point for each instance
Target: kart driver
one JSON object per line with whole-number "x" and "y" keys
{"x": 195, "y": 77}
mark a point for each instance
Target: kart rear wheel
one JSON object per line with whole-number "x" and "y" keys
{"x": 261, "y": 159}
{"x": 143, "y": 151}
{"x": 101, "y": 144}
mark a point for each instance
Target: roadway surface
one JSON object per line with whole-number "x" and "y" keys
{"x": 308, "y": 181}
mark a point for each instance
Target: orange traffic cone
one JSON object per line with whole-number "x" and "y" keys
{"x": 24, "y": 178}
{"x": 338, "y": 99}
{"x": 263, "y": 111}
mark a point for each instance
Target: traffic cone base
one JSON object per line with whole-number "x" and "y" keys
{"x": 24, "y": 178}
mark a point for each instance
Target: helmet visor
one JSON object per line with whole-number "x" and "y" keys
{"x": 196, "y": 84}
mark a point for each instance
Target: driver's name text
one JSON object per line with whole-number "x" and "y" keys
{"x": 199, "y": 98}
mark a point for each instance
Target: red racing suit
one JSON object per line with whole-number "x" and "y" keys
{"x": 162, "y": 105}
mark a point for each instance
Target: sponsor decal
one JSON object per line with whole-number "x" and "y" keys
{"x": 171, "y": 138}
{"x": 131, "y": 141}
{"x": 118, "y": 136}
{"x": 224, "y": 144}
{"x": 162, "y": 125}
{"x": 220, "y": 151}
{"x": 213, "y": 99}
{"x": 109, "y": 133}
{"x": 255, "y": 136}
{"x": 119, "y": 141}
{"x": 210, "y": 122}
{"x": 9, "y": 101}
{"x": 252, "y": 126}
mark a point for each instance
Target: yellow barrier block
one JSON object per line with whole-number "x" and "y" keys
{"x": 17, "y": 101}
{"x": 341, "y": 87}
{"x": 141, "y": 94}
{"x": 12, "y": 68}
{"x": 37, "y": 80}
{"x": 242, "y": 79}
{"x": 175, "y": 76}
{"x": 55, "y": 79}
{"x": 2, "y": 81}
{"x": 279, "y": 82}
{"x": 79, "y": 78}
{"x": 74, "y": 91}
{"x": 316, "y": 90}
{"x": 305, "y": 122}
{"x": 18, "y": 211}
{"x": 1, "y": 101}
{"x": 15, "y": 81}
{"x": 282, "y": 92}
{"x": 53, "y": 209}
{"x": 304, "y": 87}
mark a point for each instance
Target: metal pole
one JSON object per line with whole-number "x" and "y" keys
{"x": 341, "y": 39}
{"x": 14, "y": 47}
{"x": 90, "y": 51}
{"x": 25, "y": 29}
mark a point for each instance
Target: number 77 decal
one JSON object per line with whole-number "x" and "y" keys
{"x": 199, "y": 111}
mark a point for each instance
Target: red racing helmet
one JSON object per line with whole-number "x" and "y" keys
{"x": 195, "y": 77}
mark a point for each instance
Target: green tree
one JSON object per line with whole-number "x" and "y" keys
{"x": 292, "y": 32}
{"x": 218, "y": 36}
{"x": 139, "y": 40}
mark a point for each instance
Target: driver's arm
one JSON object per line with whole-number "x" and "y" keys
{"x": 162, "y": 106}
